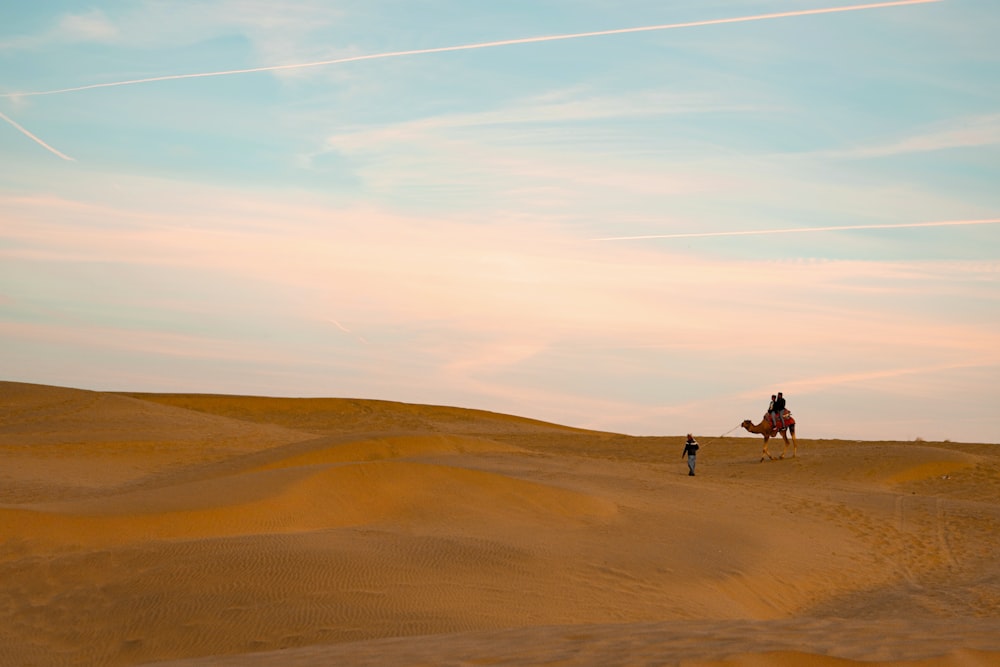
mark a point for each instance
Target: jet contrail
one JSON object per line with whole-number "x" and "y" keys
{"x": 346, "y": 330}
{"x": 34, "y": 138}
{"x": 802, "y": 230}
{"x": 483, "y": 45}
{"x": 339, "y": 325}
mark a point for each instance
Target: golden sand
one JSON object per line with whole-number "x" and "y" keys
{"x": 215, "y": 530}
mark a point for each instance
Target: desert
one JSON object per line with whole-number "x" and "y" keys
{"x": 187, "y": 529}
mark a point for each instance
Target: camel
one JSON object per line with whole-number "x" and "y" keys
{"x": 765, "y": 429}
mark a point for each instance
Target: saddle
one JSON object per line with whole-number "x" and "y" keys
{"x": 785, "y": 415}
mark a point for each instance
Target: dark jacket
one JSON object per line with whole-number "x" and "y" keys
{"x": 690, "y": 447}
{"x": 779, "y": 404}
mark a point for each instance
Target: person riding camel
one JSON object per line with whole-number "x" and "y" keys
{"x": 770, "y": 414}
{"x": 778, "y": 412}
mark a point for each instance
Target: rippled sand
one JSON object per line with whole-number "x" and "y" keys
{"x": 214, "y": 530}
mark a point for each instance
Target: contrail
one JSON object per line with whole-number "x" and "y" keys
{"x": 339, "y": 325}
{"x": 34, "y": 138}
{"x": 802, "y": 230}
{"x": 483, "y": 45}
{"x": 346, "y": 330}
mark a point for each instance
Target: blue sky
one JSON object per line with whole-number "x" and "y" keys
{"x": 647, "y": 231}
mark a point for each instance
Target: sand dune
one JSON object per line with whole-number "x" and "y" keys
{"x": 220, "y": 530}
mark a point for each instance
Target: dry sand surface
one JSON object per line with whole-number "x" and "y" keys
{"x": 212, "y": 530}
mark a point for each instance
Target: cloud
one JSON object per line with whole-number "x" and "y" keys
{"x": 813, "y": 385}
{"x": 803, "y": 230}
{"x": 516, "y": 280}
{"x": 91, "y": 26}
{"x": 534, "y": 152}
{"x": 163, "y": 23}
{"x": 145, "y": 342}
{"x": 88, "y": 27}
{"x": 969, "y": 132}
{"x": 550, "y": 119}
{"x": 502, "y": 314}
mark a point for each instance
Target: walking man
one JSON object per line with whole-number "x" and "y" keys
{"x": 690, "y": 451}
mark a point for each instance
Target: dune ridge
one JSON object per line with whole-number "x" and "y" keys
{"x": 197, "y": 529}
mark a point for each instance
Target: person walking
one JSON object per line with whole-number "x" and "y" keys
{"x": 690, "y": 451}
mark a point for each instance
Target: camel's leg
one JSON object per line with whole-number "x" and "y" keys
{"x": 766, "y": 453}
{"x": 795, "y": 443}
{"x": 785, "y": 448}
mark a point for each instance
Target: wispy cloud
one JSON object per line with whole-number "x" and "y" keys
{"x": 476, "y": 313}
{"x": 967, "y": 132}
{"x": 554, "y": 107}
{"x": 380, "y": 270}
{"x": 31, "y": 136}
{"x": 160, "y": 23}
{"x": 91, "y": 26}
{"x": 85, "y": 27}
{"x": 803, "y": 230}
{"x": 145, "y": 341}
{"x": 484, "y": 45}
{"x": 528, "y": 151}
{"x": 819, "y": 384}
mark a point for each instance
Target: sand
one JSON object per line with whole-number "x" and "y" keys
{"x": 192, "y": 530}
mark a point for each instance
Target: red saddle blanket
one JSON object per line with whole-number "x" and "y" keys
{"x": 786, "y": 415}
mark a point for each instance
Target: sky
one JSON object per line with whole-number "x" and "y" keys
{"x": 638, "y": 216}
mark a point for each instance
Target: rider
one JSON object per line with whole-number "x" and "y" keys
{"x": 770, "y": 413}
{"x": 777, "y": 412}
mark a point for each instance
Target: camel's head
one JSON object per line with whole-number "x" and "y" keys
{"x": 747, "y": 424}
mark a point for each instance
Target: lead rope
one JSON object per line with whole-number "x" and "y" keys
{"x": 730, "y": 430}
